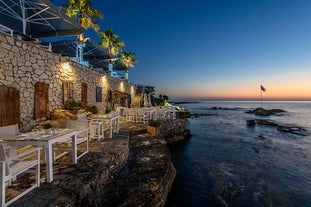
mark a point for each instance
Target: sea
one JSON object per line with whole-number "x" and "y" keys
{"x": 227, "y": 163}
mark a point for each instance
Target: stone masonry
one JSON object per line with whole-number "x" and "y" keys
{"x": 23, "y": 64}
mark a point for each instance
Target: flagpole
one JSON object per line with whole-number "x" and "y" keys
{"x": 261, "y": 96}
{"x": 262, "y": 89}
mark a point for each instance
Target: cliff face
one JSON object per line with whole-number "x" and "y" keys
{"x": 146, "y": 179}
{"x": 174, "y": 131}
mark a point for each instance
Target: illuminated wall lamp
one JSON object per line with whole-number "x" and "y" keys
{"x": 66, "y": 66}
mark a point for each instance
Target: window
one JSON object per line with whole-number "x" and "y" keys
{"x": 98, "y": 94}
{"x": 67, "y": 91}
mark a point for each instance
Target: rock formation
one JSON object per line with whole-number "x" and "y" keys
{"x": 264, "y": 112}
{"x": 282, "y": 128}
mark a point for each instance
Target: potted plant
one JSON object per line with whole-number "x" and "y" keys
{"x": 72, "y": 105}
{"x": 154, "y": 127}
{"x": 47, "y": 128}
{"x": 92, "y": 109}
{"x": 108, "y": 110}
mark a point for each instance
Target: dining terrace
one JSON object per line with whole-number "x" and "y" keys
{"x": 89, "y": 181}
{"x": 68, "y": 175}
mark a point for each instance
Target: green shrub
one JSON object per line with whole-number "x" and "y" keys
{"x": 92, "y": 109}
{"x": 107, "y": 110}
{"x": 154, "y": 123}
{"x": 71, "y": 104}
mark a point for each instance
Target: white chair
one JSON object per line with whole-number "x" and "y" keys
{"x": 141, "y": 116}
{"x": 82, "y": 141}
{"x": 11, "y": 167}
{"x": 82, "y": 128}
{"x": 130, "y": 115}
{"x": 9, "y": 131}
{"x": 98, "y": 128}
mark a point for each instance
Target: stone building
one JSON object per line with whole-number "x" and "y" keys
{"x": 43, "y": 81}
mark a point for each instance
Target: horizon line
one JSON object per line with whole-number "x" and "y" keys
{"x": 237, "y": 99}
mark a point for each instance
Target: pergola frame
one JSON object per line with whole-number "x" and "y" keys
{"x": 36, "y": 18}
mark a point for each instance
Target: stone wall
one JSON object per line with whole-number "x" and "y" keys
{"x": 23, "y": 64}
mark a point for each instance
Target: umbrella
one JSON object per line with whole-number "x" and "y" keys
{"x": 36, "y": 18}
{"x": 92, "y": 52}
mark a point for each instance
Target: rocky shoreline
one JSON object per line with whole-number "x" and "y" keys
{"x": 132, "y": 169}
{"x": 147, "y": 177}
{"x": 280, "y": 127}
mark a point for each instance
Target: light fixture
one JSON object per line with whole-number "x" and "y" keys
{"x": 66, "y": 66}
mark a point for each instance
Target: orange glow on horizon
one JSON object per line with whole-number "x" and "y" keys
{"x": 273, "y": 92}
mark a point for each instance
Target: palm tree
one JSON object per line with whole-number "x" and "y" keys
{"x": 128, "y": 59}
{"x": 82, "y": 9}
{"x": 110, "y": 41}
{"x": 86, "y": 16}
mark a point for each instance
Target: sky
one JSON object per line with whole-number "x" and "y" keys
{"x": 214, "y": 49}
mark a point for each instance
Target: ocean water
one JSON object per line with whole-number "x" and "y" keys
{"x": 227, "y": 163}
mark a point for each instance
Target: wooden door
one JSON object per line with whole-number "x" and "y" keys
{"x": 41, "y": 100}
{"x": 83, "y": 95}
{"x": 9, "y": 106}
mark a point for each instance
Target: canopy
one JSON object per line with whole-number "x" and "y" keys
{"x": 36, "y": 18}
{"x": 118, "y": 65}
{"x": 95, "y": 54}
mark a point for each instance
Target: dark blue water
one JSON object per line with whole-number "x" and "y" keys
{"x": 227, "y": 163}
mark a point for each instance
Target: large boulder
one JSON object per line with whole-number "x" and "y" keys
{"x": 266, "y": 122}
{"x": 250, "y": 122}
{"x": 264, "y": 112}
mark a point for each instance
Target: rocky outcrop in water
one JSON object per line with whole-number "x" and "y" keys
{"x": 264, "y": 112}
{"x": 202, "y": 114}
{"x": 282, "y": 128}
{"x": 293, "y": 129}
{"x": 183, "y": 114}
{"x": 223, "y": 108}
{"x": 265, "y": 122}
{"x": 250, "y": 122}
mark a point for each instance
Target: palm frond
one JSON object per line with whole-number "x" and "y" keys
{"x": 128, "y": 59}
{"x": 110, "y": 41}
{"x": 84, "y": 10}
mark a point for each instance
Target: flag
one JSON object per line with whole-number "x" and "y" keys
{"x": 262, "y": 88}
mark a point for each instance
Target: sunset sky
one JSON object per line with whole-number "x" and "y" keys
{"x": 215, "y": 48}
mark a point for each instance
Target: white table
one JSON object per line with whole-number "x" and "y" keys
{"x": 112, "y": 118}
{"x": 47, "y": 142}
